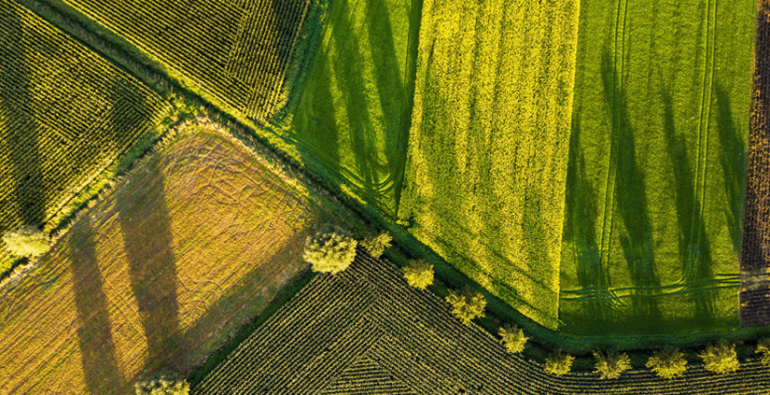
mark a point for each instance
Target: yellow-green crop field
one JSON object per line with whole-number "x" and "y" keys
{"x": 65, "y": 115}
{"x": 237, "y": 51}
{"x": 488, "y": 145}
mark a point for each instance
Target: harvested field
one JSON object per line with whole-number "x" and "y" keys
{"x": 365, "y": 331}
{"x": 65, "y": 115}
{"x": 655, "y": 187}
{"x": 237, "y": 51}
{"x": 755, "y": 248}
{"x": 486, "y": 167}
{"x": 354, "y": 113}
{"x": 193, "y": 242}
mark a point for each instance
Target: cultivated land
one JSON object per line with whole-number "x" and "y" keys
{"x": 365, "y": 331}
{"x": 235, "y": 51}
{"x": 485, "y": 174}
{"x": 353, "y": 115}
{"x": 652, "y": 230}
{"x": 65, "y": 115}
{"x": 157, "y": 274}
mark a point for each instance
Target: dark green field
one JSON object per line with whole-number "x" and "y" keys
{"x": 657, "y": 165}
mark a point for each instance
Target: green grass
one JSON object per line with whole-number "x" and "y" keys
{"x": 353, "y": 114}
{"x": 484, "y": 183}
{"x": 657, "y": 167}
{"x": 66, "y": 114}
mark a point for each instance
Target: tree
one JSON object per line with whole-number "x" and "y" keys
{"x": 419, "y": 274}
{"x": 376, "y": 245}
{"x": 163, "y": 384}
{"x": 667, "y": 363}
{"x": 611, "y": 364}
{"x": 330, "y": 250}
{"x": 26, "y": 241}
{"x": 467, "y": 304}
{"x": 513, "y": 338}
{"x": 764, "y": 348}
{"x": 721, "y": 357}
{"x": 559, "y": 363}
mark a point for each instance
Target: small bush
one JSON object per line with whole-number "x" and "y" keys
{"x": 720, "y": 358}
{"x": 513, "y": 338}
{"x": 163, "y": 384}
{"x": 611, "y": 365}
{"x": 26, "y": 241}
{"x": 330, "y": 250}
{"x": 376, "y": 245}
{"x": 466, "y": 304}
{"x": 559, "y": 363}
{"x": 419, "y": 274}
{"x": 667, "y": 363}
{"x": 764, "y": 348}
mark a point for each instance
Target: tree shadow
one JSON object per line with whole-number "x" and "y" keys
{"x": 146, "y": 229}
{"x": 97, "y": 348}
{"x": 631, "y": 199}
{"x": 21, "y": 128}
{"x": 732, "y": 159}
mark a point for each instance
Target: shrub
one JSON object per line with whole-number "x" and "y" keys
{"x": 26, "y": 241}
{"x": 163, "y": 384}
{"x": 376, "y": 245}
{"x": 419, "y": 274}
{"x": 559, "y": 363}
{"x": 764, "y": 348}
{"x": 720, "y": 358}
{"x": 466, "y": 304}
{"x": 513, "y": 338}
{"x": 330, "y": 250}
{"x": 612, "y": 364}
{"x": 667, "y": 363}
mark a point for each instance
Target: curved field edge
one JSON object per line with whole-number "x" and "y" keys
{"x": 283, "y": 158}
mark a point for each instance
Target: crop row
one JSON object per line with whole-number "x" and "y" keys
{"x": 66, "y": 115}
{"x": 365, "y": 331}
{"x": 235, "y": 51}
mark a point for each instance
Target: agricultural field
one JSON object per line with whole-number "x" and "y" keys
{"x": 193, "y": 242}
{"x": 655, "y": 185}
{"x": 755, "y": 249}
{"x": 354, "y": 113}
{"x": 237, "y": 51}
{"x": 365, "y": 331}
{"x": 65, "y": 115}
{"x": 488, "y": 145}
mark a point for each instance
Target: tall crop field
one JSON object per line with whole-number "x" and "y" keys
{"x": 487, "y": 154}
{"x": 65, "y": 115}
{"x": 353, "y": 115}
{"x": 236, "y": 51}
{"x": 195, "y": 241}
{"x": 652, "y": 230}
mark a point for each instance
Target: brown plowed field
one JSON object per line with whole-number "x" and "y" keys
{"x": 755, "y": 252}
{"x": 157, "y": 274}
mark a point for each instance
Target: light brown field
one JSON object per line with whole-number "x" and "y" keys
{"x": 157, "y": 274}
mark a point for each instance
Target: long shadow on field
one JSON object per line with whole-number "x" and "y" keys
{"x": 580, "y": 228}
{"x": 20, "y": 131}
{"x": 732, "y": 159}
{"x": 631, "y": 200}
{"x": 694, "y": 249}
{"x": 146, "y": 229}
{"x": 97, "y": 348}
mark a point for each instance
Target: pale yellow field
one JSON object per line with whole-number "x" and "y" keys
{"x": 156, "y": 275}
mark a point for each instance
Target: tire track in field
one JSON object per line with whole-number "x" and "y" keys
{"x": 616, "y": 95}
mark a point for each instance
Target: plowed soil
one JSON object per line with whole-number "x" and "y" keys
{"x": 156, "y": 275}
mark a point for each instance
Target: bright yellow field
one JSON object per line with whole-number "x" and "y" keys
{"x": 489, "y": 140}
{"x": 157, "y": 274}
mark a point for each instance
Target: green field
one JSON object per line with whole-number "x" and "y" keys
{"x": 487, "y": 154}
{"x": 657, "y": 166}
{"x": 353, "y": 115}
{"x": 234, "y": 52}
{"x": 65, "y": 115}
